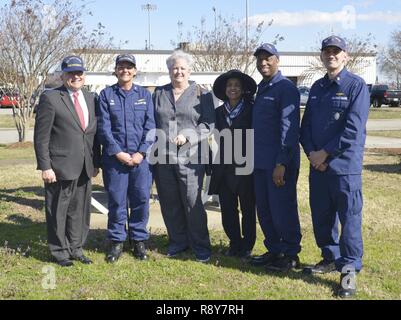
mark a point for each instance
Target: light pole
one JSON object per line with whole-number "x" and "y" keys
{"x": 149, "y": 7}
{"x": 246, "y": 22}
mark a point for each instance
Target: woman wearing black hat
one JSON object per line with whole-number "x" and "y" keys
{"x": 236, "y": 90}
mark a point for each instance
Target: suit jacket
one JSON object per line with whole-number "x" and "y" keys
{"x": 227, "y": 171}
{"x": 192, "y": 115}
{"x": 60, "y": 142}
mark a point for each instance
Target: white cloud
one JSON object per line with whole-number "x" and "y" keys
{"x": 313, "y": 17}
{"x": 388, "y": 17}
{"x": 363, "y": 3}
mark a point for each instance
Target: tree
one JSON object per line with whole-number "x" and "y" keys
{"x": 225, "y": 47}
{"x": 391, "y": 59}
{"x": 358, "y": 49}
{"x": 35, "y": 37}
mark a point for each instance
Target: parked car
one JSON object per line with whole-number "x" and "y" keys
{"x": 381, "y": 94}
{"x": 8, "y": 98}
{"x": 304, "y": 93}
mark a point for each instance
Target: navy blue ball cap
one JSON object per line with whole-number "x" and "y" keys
{"x": 72, "y": 63}
{"x": 267, "y": 47}
{"x": 334, "y": 41}
{"x": 126, "y": 58}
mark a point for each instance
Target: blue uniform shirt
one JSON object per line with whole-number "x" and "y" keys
{"x": 335, "y": 120}
{"x": 275, "y": 122}
{"x": 124, "y": 120}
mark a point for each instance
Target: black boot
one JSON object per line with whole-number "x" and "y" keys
{"x": 284, "y": 263}
{"x": 264, "y": 259}
{"x": 347, "y": 285}
{"x": 115, "y": 252}
{"x": 139, "y": 250}
{"x": 324, "y": 266}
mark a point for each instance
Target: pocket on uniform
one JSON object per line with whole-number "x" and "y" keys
{"x": 139, "y": 108}
{"x": 351, "y": 200}
{"x": 139, "y": 113}
{"x": 355, "y": 183}
{"x": 115, "y": 112}
{"x": 339, "y": 107}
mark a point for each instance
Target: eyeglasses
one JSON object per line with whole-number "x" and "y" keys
{"x": 121, "y": 68}
{"x": 331, "y": 51}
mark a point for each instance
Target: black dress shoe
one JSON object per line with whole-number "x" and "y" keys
{"x": 245, "y": 254}
{"x": 324, "y": 266}
{"x": 264, "y": 259}
{"x": 347, "y": 285}
{"x": 175, "y": 253}
{"x": 284, "y": 263}
{"x": 115, "y": 252}
{"x": 139, "y": 250}
{"x": 65, "y": 263}
{"x": 232, "y": 252}
{"x": 83, "y": 259}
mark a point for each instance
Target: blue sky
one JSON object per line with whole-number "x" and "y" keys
{"x": 302, "y": 23}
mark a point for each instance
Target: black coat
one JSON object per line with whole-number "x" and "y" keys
{"x": 224, "y": 171}
{"x": 60, "y": 142}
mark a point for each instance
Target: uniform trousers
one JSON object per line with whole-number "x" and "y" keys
{"x": 337, "y": 199}
{"x": 277, "y": 210}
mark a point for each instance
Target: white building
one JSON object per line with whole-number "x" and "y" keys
{"x": 152, "y": 69}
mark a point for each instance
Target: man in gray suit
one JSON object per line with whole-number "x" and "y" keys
{"x": 68, "y": 157}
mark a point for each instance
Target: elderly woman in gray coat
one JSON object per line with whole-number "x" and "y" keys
{"x": 184, "y": 115}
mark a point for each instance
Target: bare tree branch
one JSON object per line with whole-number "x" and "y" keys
{"x": 35, "y": 36}
{"x": 358, "y": 49}
{"x": 224, "y": 48}
{"x": 391, "y": 59}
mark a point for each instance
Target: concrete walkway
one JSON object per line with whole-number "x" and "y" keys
{"x": 99, "y": 221}
{"x": 384, "y": 125}
{"x": 382, "y": 142}
{"x": 11, "y": 135}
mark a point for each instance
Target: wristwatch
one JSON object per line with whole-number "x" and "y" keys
{"x": 143, "y": 154}
{"x": 280, "y": 164}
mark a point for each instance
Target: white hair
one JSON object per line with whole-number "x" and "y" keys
{"x": 179, "y": 54}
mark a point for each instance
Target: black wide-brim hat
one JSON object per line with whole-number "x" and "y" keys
{"x": 220, "y": 84}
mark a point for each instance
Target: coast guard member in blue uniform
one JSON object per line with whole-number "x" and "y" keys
{"x": 277, "y": 159}
{"x": 125, "y": 116}
{"x": 333, "y": 136}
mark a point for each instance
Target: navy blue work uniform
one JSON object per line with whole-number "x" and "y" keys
{"x": 124, "y": 121}
{"x": 335, "y": 121}
{"x": 276, "y": 129}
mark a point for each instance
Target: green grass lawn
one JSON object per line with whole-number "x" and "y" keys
{"x": 9, "y": 153}
{"x": 7, "y": 121}
{"x": 380, "y": 113}
{"x": 390, "y": 134}
{"x": 385, "y": 113}
{"x": 23, "y": 251}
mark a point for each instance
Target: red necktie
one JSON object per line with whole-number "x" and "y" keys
{"x": 78, "y": 109}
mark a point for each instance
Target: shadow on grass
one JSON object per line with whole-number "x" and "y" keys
{"x": 220, "y": 260}
{"x": 383, "y": 168}
{"x": 25, "y": 237}
{"x": 28, "y": 238}
{"x": 21, "y": 196}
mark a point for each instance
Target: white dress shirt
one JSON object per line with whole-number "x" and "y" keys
{"x": 82, "y": 102}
